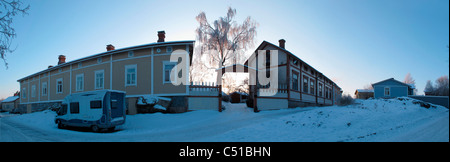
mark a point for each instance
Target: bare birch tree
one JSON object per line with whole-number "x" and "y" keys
{"x": 409, "y": 80}
{"x": 224, "y": 42}
{"x": 8, "y": 10}
{"x": 225, "y": 39}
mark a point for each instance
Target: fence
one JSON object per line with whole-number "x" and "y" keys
{"x": 204, "y": 95}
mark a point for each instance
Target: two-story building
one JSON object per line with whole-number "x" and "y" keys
{"x": 299, "y": 84}
{"x": 138, "y": 70}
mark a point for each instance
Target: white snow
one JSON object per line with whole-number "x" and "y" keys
{"x": 150, "y": 99}
{"x": 366, "y": 120}
{"x": 10, "y": 99}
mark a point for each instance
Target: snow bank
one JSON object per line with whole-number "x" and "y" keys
{"x": 366, "y": 120}
{"x": 154, "y": 101}
{"x": 401, "y": 119}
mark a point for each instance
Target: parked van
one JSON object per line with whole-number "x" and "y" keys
{"x": 103, "y": 109}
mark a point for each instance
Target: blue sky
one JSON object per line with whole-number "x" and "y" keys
{"x": 353, "y": 42}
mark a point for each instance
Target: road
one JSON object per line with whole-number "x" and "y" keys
{"x": 232, "y": 118}
{"x": 10, "y": 131}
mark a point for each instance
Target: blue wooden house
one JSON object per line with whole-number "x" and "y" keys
{"x": 391, "y": 88}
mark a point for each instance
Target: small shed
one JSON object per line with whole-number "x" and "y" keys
{"x": 364, "y": 93}
{"x": 238, "y": 97}
{"x": 391, "y": 88}
{"x": 10, "y": 103}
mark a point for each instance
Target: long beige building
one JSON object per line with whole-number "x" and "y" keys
{"x": 138, "y": 70}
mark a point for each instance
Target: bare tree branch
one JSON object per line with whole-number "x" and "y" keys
{"x": 9, "y": 9}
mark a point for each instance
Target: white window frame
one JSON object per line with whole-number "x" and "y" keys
{"x": 126, "y": 74}
{"x": 62, "y": 85}
{"x": 33, "y": 91}
{"x": 164, "y": 72}
{"x": 44, "y": 89}
{"x": 96, "y": 78}
{"x": 389, "y": 90}
{"x": 79, "y": 87}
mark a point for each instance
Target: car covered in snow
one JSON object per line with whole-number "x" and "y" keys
{"x": 102, "y": 109}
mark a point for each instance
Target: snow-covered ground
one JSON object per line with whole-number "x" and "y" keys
{"x": 366, "y": 120}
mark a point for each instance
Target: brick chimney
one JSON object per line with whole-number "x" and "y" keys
{"x": 62, "y": 59}
{"x": 161, "y": 36}
{"x": 282, "y": 43}
{"x": 110, "y": 47}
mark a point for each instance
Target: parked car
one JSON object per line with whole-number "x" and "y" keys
{"x": 103, "y": 109}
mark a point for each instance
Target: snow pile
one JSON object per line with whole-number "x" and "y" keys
{"x": 400, "y": 119}
{"x": 366, "y": 120}
{"x": 154, "y": 101}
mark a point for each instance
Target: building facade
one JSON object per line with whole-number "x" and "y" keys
{"x": 138, "y": 70}
{"x": 299, "y": 84}
{"x": 391, "y": 88}
{"x": 364, "y": 93}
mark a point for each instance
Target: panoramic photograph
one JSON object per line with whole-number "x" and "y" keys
{"x": 224, "y": 71}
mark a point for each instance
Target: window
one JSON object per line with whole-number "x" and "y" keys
{"x": 295, "y": 81}
{"x": 99, "y": 79}
{"x": 130, "y": 53}
{"x": 305, "y": 83}
{"x": 387, "y": 91}
{"x": 44, "y": 89}
{"x": 59, "y": 85}
{"x": 329, "y": 93}
{"x": 169, "y": 49}
{"x": 33, "y": 91}
{"x": 24, "y": 93}
{"x": 74, "y": 108}
{"x": 114, "y": 104}
{"x": 320, "y": 89}
{"x": 311, "y": 82}
{"x": 96, "y": 104}
{"x": 80, "y": 82}
{"x": 99, "y": 60}
{"x": 267, "y": 59}
{"x": 168, "y": 66}
{"x": 80, "y": 65}
{"x": 130, "y": 75}
{"x": 62, "y": 110}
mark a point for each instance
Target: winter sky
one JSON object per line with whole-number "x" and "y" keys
{"x": 353, "y": 42}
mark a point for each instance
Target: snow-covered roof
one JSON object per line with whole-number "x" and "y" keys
{"x": 392, "y": 79}
{"x": 364, "y": 90}
{"x": 413, "y": 86}
{"x": 155, "y": 44}
{"x": 11, "y": 99}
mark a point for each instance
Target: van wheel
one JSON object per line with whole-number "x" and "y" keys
{"x": 95, "y": 128}
{"x": 60, "y": 125}
{"x": 111, "y": 129}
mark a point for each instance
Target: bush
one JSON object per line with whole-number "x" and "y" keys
{"x": 345, "y": 100}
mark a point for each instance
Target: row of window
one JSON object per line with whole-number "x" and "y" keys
{"x": 308, "y": 86}
{"x": 99, "y": 81}
{"x": 75, "y": 106}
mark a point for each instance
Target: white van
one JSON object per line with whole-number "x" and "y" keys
{"x": 103, "y": 109}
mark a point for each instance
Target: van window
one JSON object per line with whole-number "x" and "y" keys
{"x": 63, "y": 110}
{"x": 74, "y": 108}
{"x": 114, "y": 104}
{"x": 96, "y": 104}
